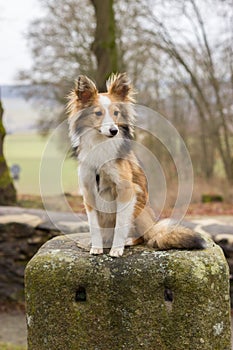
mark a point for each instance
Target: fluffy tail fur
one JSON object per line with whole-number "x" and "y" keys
{"x": 166, "y": 235}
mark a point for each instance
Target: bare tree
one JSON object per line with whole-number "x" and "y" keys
{"x": 104, "y": 45}
{"x": 72, "y": 38}
{"x": 197, "y": 69}
{"x": 7, "y": 189}
{"x": 60, "y": 42}
{"x": 167, "y": 49}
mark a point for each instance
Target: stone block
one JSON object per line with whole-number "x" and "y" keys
{"x": 147, "y": 299}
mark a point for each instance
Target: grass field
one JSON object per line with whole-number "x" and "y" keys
{"x": 4, "y": 346}
{"x": 41, "y": 157}
{"x": 48, "y": 157}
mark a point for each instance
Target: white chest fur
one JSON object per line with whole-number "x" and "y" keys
{"x": 96, "y": 152}
{"x": 97, "y": 159}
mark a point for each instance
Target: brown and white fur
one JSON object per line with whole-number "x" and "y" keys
{"x": 112, "y": 183}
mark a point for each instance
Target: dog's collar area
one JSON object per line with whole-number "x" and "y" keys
{"x": 97, "y": 179}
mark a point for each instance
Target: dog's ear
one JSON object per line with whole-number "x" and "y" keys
{"x": 82, "y": 95}
{"x": 119, "y": 85}
{"x": 85, "y": 90}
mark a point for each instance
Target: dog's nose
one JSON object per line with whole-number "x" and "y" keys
{"x": 113, "y": 131}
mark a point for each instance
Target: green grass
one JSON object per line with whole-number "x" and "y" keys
{"x": 28, "y": 150}
{"x": 7, "y": 346}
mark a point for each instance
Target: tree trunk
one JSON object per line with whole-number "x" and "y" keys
{"x": 104, "y": 45}
{"x": 7, "y": 189}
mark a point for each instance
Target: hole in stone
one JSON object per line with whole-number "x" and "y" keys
{"x": 168, "y": 295}
{"x": 80, "y": 294}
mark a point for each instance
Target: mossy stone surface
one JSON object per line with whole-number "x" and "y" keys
{"x": 147, "y": 299}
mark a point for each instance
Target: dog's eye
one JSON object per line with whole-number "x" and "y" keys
{"x": 116, "y": 113}
{"x": 99, "y": 113}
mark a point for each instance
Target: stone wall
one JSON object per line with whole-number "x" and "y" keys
{"x": 18, "y": 244}
{"x": 22, "y": 233}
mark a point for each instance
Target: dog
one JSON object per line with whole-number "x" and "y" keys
{"x": 111, "y": 180}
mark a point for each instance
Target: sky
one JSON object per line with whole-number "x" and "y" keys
{"x": 15, "y": 16}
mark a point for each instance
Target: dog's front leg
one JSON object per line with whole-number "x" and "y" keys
{"x": 90, "y": 205}
{"x": 125, "y": 208}
{"x": 95, "y": 230}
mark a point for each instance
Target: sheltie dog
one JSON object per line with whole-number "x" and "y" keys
{"x": 111, "y": 180}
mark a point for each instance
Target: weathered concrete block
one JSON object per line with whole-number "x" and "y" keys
{"x": 152, "y": 300}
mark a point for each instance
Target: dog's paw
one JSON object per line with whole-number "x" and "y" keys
{"x": 116, "y": 252}
{"x": 96, "y": 251}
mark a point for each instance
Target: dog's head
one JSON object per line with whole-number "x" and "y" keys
{"x": 110, "y": 114}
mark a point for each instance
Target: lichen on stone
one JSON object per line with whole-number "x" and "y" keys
{"x": 124, "y": 304}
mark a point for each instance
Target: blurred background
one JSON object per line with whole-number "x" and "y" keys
{"x": 178, "y": 54}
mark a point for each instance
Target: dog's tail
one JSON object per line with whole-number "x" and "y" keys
{"x": 167, "y": 235}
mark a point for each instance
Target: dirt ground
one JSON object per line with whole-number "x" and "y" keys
{"x": 13, "y": 328}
